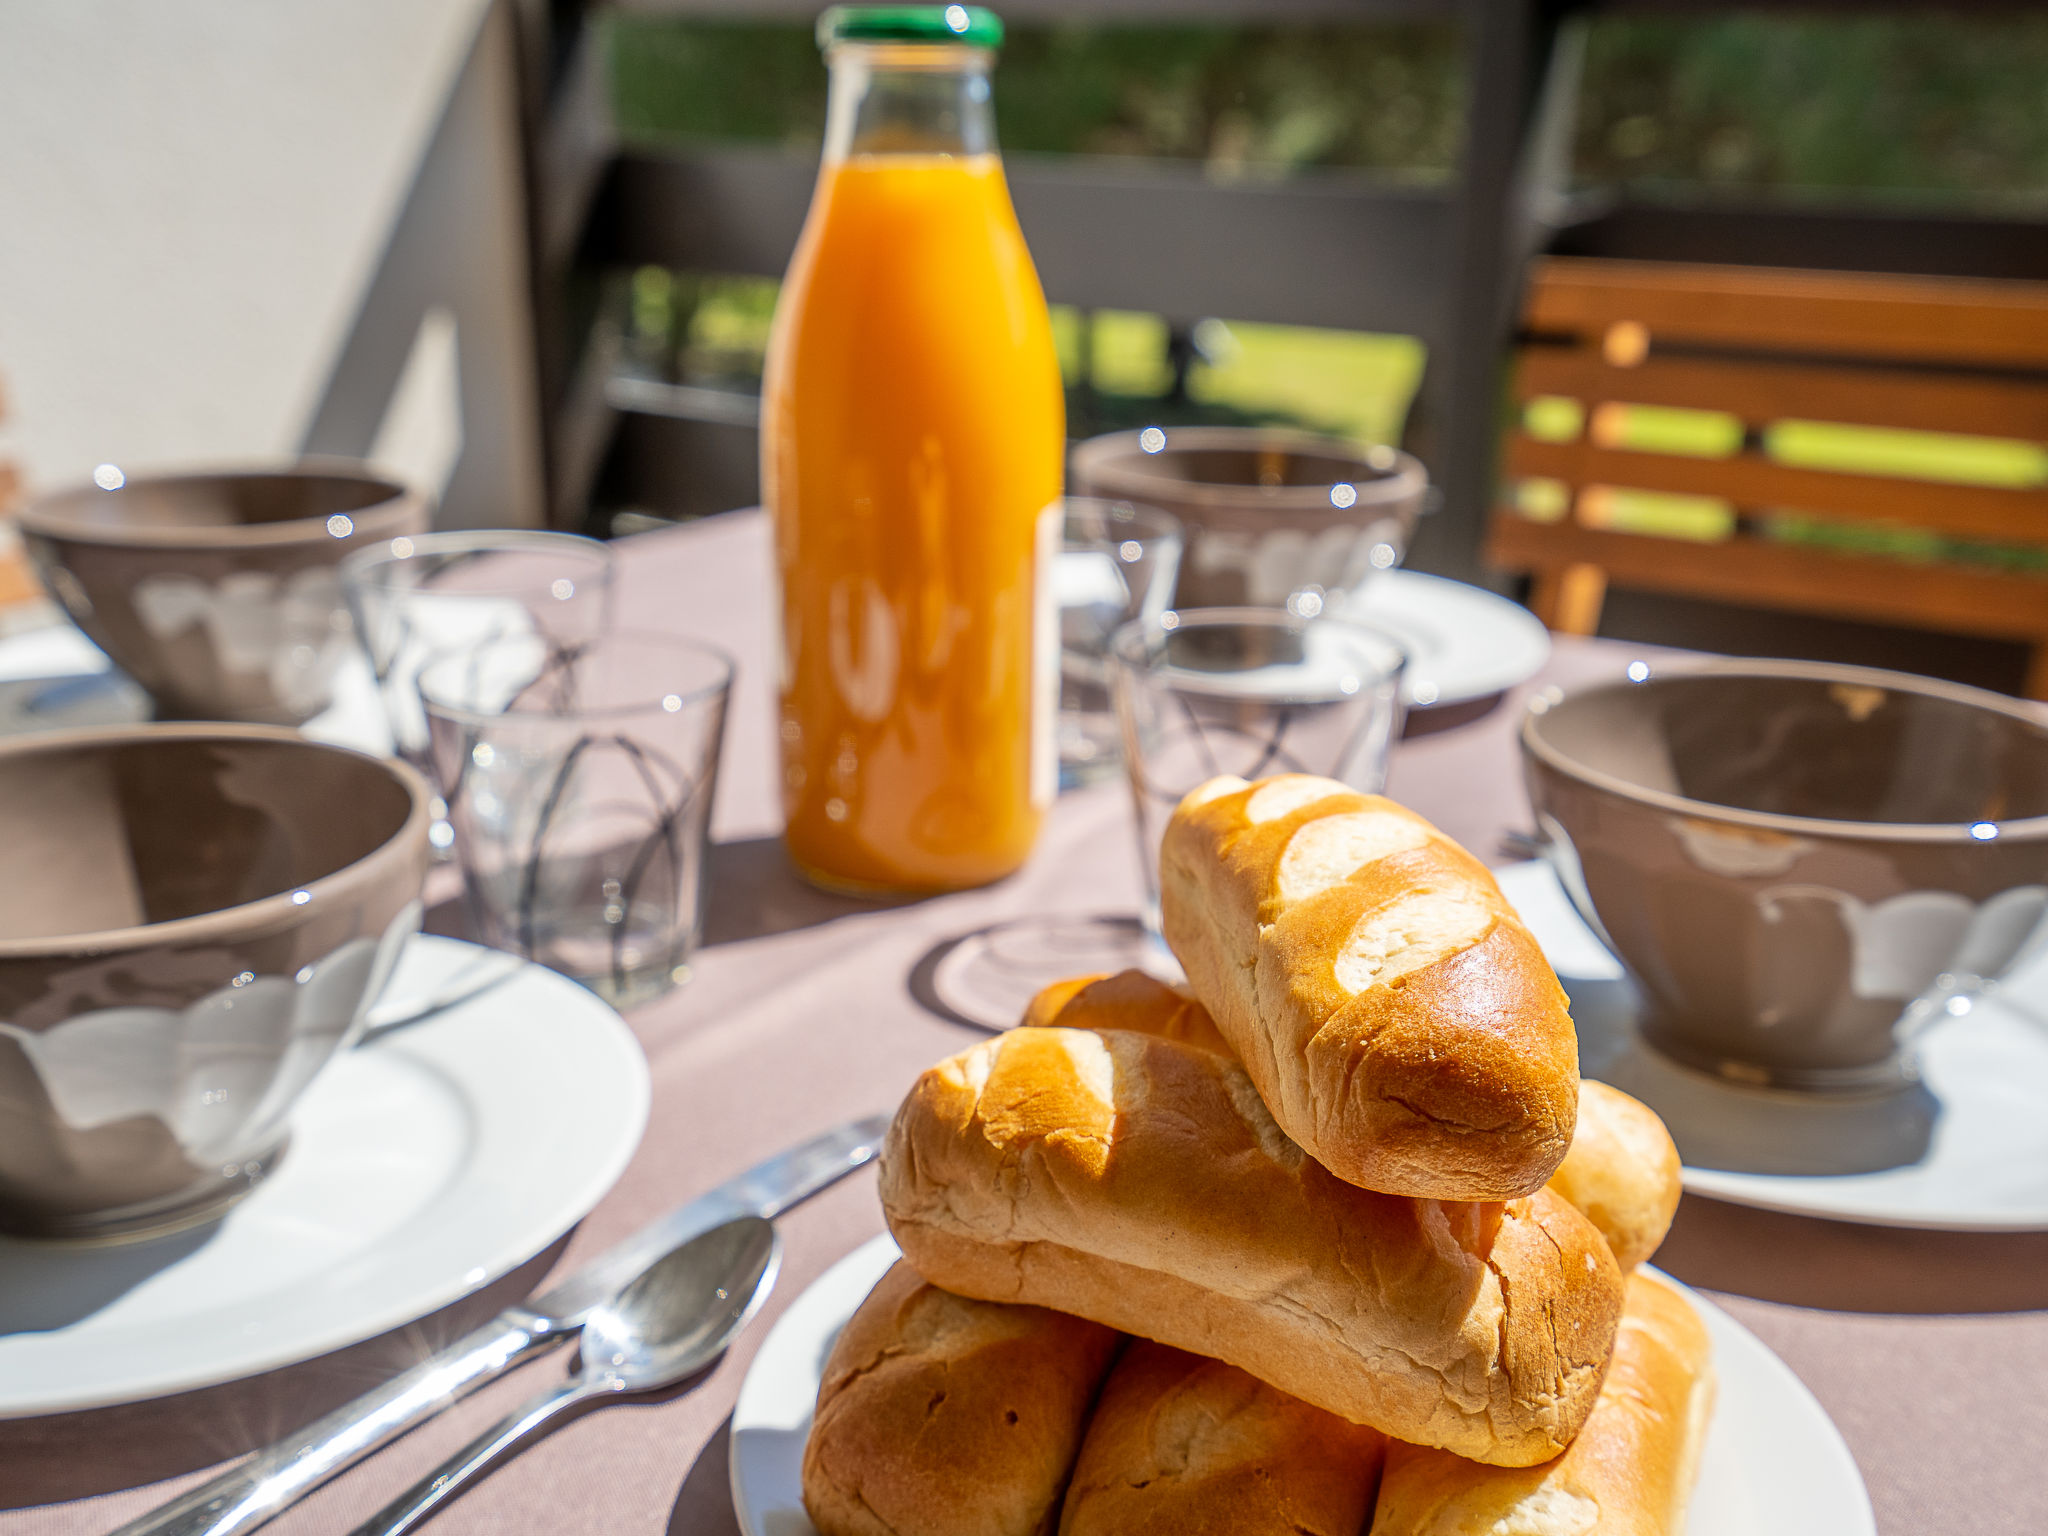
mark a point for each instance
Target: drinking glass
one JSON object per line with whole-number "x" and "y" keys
{"x": 579, "y": 784}
{"x": 1248, "y": 691}
{"x": 414, "y": 597}
{"x": 1117, "y": 563}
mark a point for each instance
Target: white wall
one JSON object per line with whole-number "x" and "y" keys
{"x": 197, "y": 200}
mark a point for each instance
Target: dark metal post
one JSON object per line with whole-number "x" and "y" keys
{"x": 1509, "y": 44}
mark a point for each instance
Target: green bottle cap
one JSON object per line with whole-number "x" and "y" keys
{"x": 968, "y": 24}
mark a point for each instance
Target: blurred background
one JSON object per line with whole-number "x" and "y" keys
{"x": 527, "y": 253}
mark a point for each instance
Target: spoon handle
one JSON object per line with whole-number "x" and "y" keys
{"x": 243, "y": 1497}
{"x": 424, "y": 1497}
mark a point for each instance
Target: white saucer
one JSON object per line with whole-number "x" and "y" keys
{"x": 1463, "y": 642}
{"x": 1966, "y": 1150}
{"x": 423, "y": 1164}
{"x": 1774, "y": 1463}
{"x": 66, "y": 665}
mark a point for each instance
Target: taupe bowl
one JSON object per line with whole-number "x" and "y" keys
{"x": 1785, "y": 855}
{"x": 1272, "y": 516}
{"x": 193, "y": 920}
{"x": 218, "y": 592}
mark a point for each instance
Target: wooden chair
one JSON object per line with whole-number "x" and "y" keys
{"x": 1767, "y": 346}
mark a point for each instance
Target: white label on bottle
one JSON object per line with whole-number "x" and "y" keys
{"x": 1045, "y": 657}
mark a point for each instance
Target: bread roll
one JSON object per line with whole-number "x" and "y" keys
{"x": 1630, "y": 1472}
{"x": 1142, "y": 1183}
{"x": 1182, "y": 1446}
{"x": 1127, "y": 1000}
{"x": 926, "y": 1396}
{"x": 1395, "y": 1014}
{"x": 1622, "y": 1170}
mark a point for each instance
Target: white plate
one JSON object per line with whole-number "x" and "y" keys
{"x": 1966, "y": 1151}
{"x": 1463, "y": 642}
{"x": 54, "y": 652}
{"x": 1774, "y": 1463}
{"x": 423, "y": 1165}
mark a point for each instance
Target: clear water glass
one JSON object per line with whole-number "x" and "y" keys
{"x": 413, "y": 598}
{"x": 579, "y": 785}
{"x": 1117, "y": 563}
{"x": 1248, "y": 691}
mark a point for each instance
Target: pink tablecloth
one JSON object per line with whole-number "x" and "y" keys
{"x": 1930, "y": 1350}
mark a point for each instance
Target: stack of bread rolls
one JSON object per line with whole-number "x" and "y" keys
{"x": 1332, "y": 1241}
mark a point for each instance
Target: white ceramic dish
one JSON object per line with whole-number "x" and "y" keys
{"x": 1463, "y": 642}
{"x": 67, "y": 665}
{"x": 1966, "y": 1150}
{"x": 423, "y": 1164}
{"x": 1774, "y": 1464}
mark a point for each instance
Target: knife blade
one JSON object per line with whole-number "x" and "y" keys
{"x": 259, "y": 1488}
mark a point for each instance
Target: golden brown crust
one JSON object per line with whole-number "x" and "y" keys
{"x": 1392, "y": 1009}
{"x": 1142, "y": 1183}
{"x": 1622, "y": 1171}
{"x": 1182, "y": 1446}
{"x": 1629, "y": 1473}
{"x": 1046, "y": 1005}
{"x": 1128, "y": 1000}
{"x": 927, "y": 1394}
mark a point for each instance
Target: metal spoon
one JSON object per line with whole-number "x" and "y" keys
{"x": 670, "y": 1323}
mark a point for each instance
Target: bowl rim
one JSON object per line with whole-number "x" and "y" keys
{"x": 370, "y": 566}
{"x": 1536, "y": 748}
{"x": 380, "y": 519}
{"x": 258, "y": 916}
{"x": 1116, "y": 459}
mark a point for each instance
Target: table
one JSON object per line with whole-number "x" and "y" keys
{"x": 1927, "y": 1348}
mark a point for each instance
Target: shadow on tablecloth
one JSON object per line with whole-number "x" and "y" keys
{"x": 1840, "y": 1266}
{"x": 751, "y": 891}
{"x": 704, "y": 1506}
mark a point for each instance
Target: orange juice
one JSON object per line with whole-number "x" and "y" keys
{"x": 913, "y": 430}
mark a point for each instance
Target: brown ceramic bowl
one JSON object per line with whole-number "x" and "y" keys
{"x": 1269, "y": 513}
{"x": 1786, "y": 854}
{"x": 218, "y": 592}
{"x": 193, "y": 919}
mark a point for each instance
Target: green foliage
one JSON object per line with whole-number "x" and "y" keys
{"x": 1240, "y": 99}
{"x": 674, "y": 77}
{"x": 1237, "y": 98}
{"x": 1930, "y": 104}
{"x": 1903, "y": 104}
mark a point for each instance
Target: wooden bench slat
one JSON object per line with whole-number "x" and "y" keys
{"x": 1959, "y": 320}
{"x": 1757, "y": 484}
{"x": 1758, "y": 572}
{"x": 1763, "y": 391}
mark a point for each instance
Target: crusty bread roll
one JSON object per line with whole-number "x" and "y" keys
{"x": 1128, "y": 1000}
{"x": 927, "y": 1396}
{"x": 1630, "y": 1472}
{"x": 1142, "y": 1183}
{"x": 1396, "y": 1016}
{"x": 1622, "y": 1171}
{"x": 1182, "y": 1446}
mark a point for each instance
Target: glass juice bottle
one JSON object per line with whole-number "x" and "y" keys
{"x": 913, "y": 433}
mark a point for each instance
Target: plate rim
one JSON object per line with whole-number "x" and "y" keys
{"x": 605, "y": 1031}
{"x": 1780, "y": 1193}
{"x": 1484, "y": 681}
{"x": 880, "y": 1251}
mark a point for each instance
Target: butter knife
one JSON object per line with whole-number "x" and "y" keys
{"x": 255, "y": 1490}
